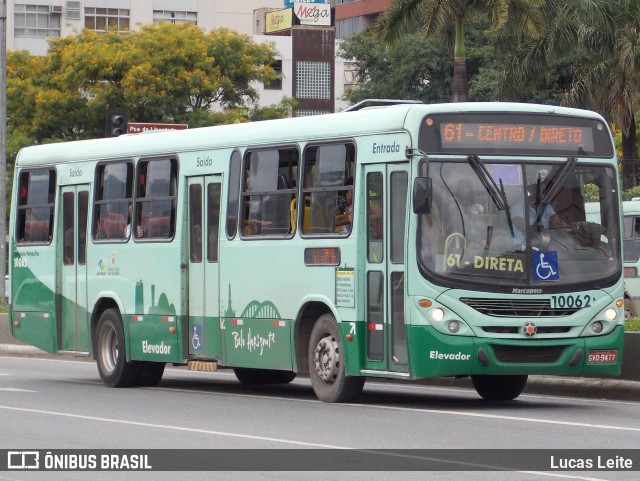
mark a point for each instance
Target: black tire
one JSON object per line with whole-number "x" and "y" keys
{"x": 249, "y": 376}
{"x": 326, "y": 364}
{"x": 499, "y": 388}
{"x": 113, "y": 367}
{"x": 150, "y": 373}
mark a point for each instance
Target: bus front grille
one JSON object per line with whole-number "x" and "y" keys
{"x": 516, "y": 307}
{"x": 527, "y": 354}
{"x": 518, "y": 329}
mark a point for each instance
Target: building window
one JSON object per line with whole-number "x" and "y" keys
{"x": 313, "y": 80}
{"x": 73, "y": 10}
{"x": 103, "y": 19}
{"x": 37, "y": 20}
{"x": 172, "y": 16}
{"x": 276, "y": 83}
{"x": 309, "y": 112}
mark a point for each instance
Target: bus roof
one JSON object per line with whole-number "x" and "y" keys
{"x": 339, "y": 125}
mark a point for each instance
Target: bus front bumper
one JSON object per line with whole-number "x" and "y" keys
{"x": 433, "y": 354}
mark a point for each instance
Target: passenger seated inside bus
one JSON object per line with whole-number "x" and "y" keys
{"x": 344, "y": 209}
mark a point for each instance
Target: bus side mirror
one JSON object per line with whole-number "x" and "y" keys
{"x": 422, "y": 195}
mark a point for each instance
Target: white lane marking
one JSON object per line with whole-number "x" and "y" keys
{"x": 168, "y": 427}
{"x": 13, "y": 389}
{"x": 284, "y": 441}
{"x": 405, "y": 409}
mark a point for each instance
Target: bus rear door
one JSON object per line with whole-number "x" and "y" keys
{"x": 203, "y": 277}
{"x": 73, "y": 330}
{"x": 386, "y": 207}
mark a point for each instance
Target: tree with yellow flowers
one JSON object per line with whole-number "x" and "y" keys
{"x": 160, "y": 73}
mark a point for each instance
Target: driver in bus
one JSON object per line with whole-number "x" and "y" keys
{"x": 545, "y": 212}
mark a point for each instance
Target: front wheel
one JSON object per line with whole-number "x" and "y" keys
{"x": 499, "y": 388}
{"x": 327, "y": 364}
{"x": 113, "y": 367}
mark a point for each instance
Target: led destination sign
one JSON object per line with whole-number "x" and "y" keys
{"x": 534, "y": 136}
{"x": 525, "y": 134}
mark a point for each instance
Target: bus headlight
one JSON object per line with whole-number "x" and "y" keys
{"x": 453, "y": 327}
{"x": 597, "y": 327}
{"x": 610, "y": 314}
{"x": 437, "y": 314}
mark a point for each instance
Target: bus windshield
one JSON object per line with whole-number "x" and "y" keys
{"x": 519, "y": 224}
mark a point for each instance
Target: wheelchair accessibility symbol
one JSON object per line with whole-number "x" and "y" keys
{"x": 545, "y": 266}
{"x": 195, "y": 337}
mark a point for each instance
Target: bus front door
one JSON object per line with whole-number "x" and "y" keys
{"x": 73, "y": 330}
{"x": 386, "y": 208}
{"x": 203, "y": 278}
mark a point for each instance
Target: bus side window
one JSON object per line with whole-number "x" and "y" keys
{"x": 36, "y": 206}
{"x": 269, "y": 190}
{"x": 328, "y": 188}
{"x": 156, "y": 198}
{"x": 233, "y": 193}
{"x": 114, "y": 181}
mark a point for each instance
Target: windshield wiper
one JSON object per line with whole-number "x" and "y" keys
{"x": 557, "y": 182}
{"x": 496, "y": 193}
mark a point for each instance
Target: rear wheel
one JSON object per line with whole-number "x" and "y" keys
{"x": 327, "y": 364}
{"x": 150, "y": 373}
{"x": 113, "y": 367}
{"x": 249, "y": 376}
{"x": 499, "y": 388}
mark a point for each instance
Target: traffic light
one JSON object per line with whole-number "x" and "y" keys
{"x": 117, "y": 120}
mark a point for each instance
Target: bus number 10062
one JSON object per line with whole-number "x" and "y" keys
{"x": 578, "y": 301}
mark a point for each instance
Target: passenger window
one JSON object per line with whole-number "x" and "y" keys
{"x": 156, "y": 199}
{"x": 36, "y": 200}
{"x": 213, "y": 221}
{"x": 233, "y": 194}
{"x": 68, "y": 200}
{"x": 328, "y": 189}
{"x": 113, "y": 201}
{"x": 269, "y": 192}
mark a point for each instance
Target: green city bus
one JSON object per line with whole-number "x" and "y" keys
{"x": 387, "y": 241}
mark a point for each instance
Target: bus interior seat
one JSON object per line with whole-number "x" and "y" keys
{"x": 36, "y": 230}
{"x": 158, "y": 227}
{"x": 569, "y": 205}
{"x": 306, "y": 227}
{"x": 113, "y": 226}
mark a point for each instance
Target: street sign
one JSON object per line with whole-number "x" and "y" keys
{"x": 139, "y": 127}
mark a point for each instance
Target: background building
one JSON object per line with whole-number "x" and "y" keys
{"x": 356, "y": 16}
{"x": 310, "y": 73}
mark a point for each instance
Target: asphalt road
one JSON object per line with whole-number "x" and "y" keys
{"x": 60, "y": 403}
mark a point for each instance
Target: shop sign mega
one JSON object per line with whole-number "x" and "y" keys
{"x": 312, "y": 13}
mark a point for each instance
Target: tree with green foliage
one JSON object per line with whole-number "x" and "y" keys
{"x": 162, "y": 73}
{"x": 445, "y": 19}
{"x": 601, "y": 39}
{"x": 413, "y": 68}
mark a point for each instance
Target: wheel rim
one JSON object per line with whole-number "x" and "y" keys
{"x": 327, "y": 359}
{"x": 109, "y": 348}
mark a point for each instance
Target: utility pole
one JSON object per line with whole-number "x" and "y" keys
{"x": 3, "y": 144}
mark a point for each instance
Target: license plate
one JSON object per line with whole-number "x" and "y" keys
{"x": 602, "y": 357}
